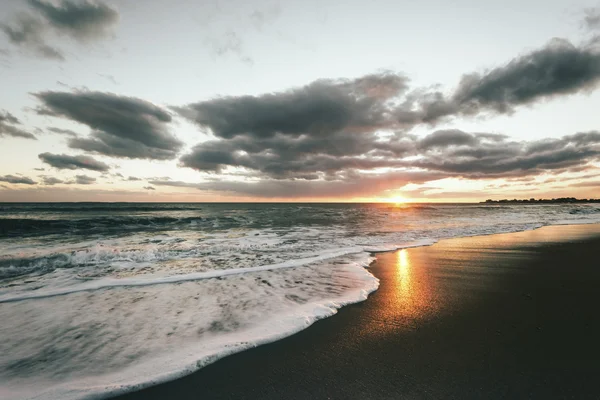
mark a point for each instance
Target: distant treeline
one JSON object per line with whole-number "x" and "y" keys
{"x": 532, "y": 200}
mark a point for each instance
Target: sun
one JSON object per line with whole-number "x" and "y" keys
{"x": 398, "y": 200}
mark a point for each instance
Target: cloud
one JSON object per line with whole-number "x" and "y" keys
{"x": 84, "y": 180}
{"x": 586, "y": 184}
{"x": 122, "y": 126}
{"x": 331, "y": 130}
{"x": 262, "y": 17}
{"x": 8, "y": 118}
{"x": 28, "y": 32}
{"x": 109, "y": 78}
{"x": 149, "y": 188}
{"x": 360, "y": 185}
{"x": 133, "y": 178}
{"x": 559, "y": 68}
{"x": 320, "y": 108}
{"x": 384, "y": 100}
{"x": 50, "y": 180}
{"x": 227, "y": 26}
{"x": 485, "y": 158}
{"x": 17, "y": 180}
{"x": 64, "y": 161}
{"x": 592, "y": 18}
{"x": 447, "y": 138}
{"x": 281, "y": 163}
{"x": 451, "y": 151}
{"x": 286, "y": 157}
{"x": 7, "y": 128}
{"x": 83, "y": 20}
{"x": 66, "y": 132}
{"x": 230, "y": 42}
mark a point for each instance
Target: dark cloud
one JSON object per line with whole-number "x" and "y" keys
{"x": 330, "y": 125}
{"x": 329, "y": 131}
{"x": 384, "y": 101}
{"x": 281, "y": 162}
{"x": 64, "y": 161}
{"x": 7, "y": 128}
{"x": 321, "y": 108}
{"x": 560, "y": 68}
{"x": 39, "y": 169}
{"x": 84, "y": 180}
{"x": 321, "y": 127}
{"x": 50, "y": 180}
{"x": 557, "y": 69}
{"x": 28, "y": 33}
{"x": 149, "y": 188}
{"x": 8, "y": 118}
{"x": 283, "y": 156}
{"x": 447, "y": 138}
{"x": 82, "y": 20}
{"x": 133, "y": 179}
{"x": 66, "y": 132}
{"x": 498, "y": 158}
{"x": 122, "y": 126}
{"x": 17, "y": 180}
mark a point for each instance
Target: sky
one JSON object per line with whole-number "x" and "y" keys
{"x": 264, "y": 100}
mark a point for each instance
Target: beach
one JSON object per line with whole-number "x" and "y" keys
{"x": 498, "y": 316}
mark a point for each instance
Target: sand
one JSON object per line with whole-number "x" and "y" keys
{"x": 506, "y": 316}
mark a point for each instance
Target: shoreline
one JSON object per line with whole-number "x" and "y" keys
{"x": 423, "y": 310}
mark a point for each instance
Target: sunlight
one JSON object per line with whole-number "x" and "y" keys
{"x": 404, "y": 275}
{"x": 414, "y": 295}
{"x": 398, "y": 200}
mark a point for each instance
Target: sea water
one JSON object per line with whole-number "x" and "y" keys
{"x": 98, "y": 299}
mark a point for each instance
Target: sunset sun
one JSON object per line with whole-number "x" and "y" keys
{"x": 398, "y": 200}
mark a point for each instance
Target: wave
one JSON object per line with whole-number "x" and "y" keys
{"x": 95, "y": 207}
{"x": 255, "y": 315}
{"x": 13, "y": 227}
{"x": 130, "y": 282}
{"x": 585, "y": 210}
{"x": 105, "y": 283}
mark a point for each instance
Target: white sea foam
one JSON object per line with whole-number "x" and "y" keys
{"x": 112, "y": 346}
{"x": 105, "y": 283}
{"x": 398, "y": 246}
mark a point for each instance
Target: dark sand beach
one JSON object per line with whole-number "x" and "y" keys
{"x": 509, "y": 316}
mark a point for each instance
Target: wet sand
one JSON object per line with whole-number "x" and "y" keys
{"x": 506, "y": 316}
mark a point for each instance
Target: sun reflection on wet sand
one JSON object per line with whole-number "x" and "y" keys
{"x": 425, "y": 283}
{"x": 413, "y": 289}
{"x": 403, "y": 274}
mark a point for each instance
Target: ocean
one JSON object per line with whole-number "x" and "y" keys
{"x": 98, "y": 299}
